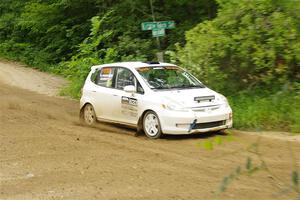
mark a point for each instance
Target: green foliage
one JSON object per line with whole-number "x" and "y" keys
{"x": 295, "y": 178}
{"x": 250, "y": 52}
{"x": 210, "y": 144}
{"x": 249, "y": 44}
{"x": 58, "y": 27}
{"x": 73, "y": 89}
{"x": 249, "y": 164}
{"x": 229, "y": 179}
{"x": 89, "y": 54}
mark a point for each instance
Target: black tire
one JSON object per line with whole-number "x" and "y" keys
{"x": 151, "y": 125}
{"x": 89, "y": 115}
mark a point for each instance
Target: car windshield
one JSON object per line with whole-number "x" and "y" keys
{"x": 168, "y": 78}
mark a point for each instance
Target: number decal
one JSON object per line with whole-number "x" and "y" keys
{"x": 129, "y": 106}
{"x": 129, "y": 101}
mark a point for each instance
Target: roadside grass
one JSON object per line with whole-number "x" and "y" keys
{"x": 280, "y": 111}
{"x": 73, "y": 90}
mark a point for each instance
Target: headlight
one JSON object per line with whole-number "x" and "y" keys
{"x": 174, "y": 107}
{"x": 224, "y": 99}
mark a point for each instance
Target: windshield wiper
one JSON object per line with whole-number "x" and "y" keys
{"x": 187, "y": 86}
{"x": 162, "y": 88}
{"x": 195, "y": 86}
{"x": 177, "y": 87}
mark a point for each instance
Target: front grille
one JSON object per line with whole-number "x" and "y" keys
{"x": 209, "y": 124}
{"x": 206, "y": 108}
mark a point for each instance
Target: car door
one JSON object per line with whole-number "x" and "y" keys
{"x": 128, "y": 106}
{"x": 105, "y": 97}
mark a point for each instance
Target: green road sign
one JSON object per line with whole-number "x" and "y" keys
{"x": 166, "y": 24}
{"x": 147, "y": 26}
{"x": 158, "y": 32}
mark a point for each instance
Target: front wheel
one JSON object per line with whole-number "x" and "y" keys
{"x": 151, "y": 125}
{"x": 89, "y": 115}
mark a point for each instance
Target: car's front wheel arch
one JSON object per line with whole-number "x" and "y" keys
{"x": 140, "y": 121}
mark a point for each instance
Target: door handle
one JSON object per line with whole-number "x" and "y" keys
{"x": 115, "y": 95}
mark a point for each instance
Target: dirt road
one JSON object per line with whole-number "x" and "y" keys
{"x": 46, "y": 154}
{"x": 20, "y": 76}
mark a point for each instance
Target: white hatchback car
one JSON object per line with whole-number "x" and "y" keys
{"x": 157, "y": 98}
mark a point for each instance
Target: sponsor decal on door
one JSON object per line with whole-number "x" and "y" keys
{"x": 129, "y": 106}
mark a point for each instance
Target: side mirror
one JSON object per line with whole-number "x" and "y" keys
{"x": 129, "y": 89}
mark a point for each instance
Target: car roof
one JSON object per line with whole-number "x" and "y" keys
{"x": 133, "y": 65}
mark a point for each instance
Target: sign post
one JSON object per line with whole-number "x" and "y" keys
{"x": 158, "y": 30}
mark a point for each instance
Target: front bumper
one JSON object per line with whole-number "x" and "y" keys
{"x": 175, "y": 122}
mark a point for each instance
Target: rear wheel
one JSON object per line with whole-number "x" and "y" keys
{"x": 89, "y": 115}
{"x": 151, "y": 125}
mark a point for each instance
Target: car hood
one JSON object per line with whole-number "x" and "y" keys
{"x": 190, "y": 98}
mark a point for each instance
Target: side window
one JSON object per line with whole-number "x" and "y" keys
{"x": 94, "y": 75}
{"x": 139, "y": 88}
{"x": 104, "y": 77}
{"x": 125, "y": 77}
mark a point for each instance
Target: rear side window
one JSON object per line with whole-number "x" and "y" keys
{"x": 116, "y": 77}
{"x": 104, "y": 77}
{"x": 94, "y": 75}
